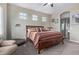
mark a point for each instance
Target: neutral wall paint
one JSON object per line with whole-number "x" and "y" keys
{"x": 13, "y": 19}
{"x": 74, "y": 28}
{"x": 4, "y": 14}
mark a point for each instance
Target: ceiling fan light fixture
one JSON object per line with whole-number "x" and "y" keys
{"x": 51, "y": 5}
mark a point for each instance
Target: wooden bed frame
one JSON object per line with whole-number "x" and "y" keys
{"x": 44, "y": 43}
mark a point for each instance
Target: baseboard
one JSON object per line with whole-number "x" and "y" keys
{"x": 74, "y": 41}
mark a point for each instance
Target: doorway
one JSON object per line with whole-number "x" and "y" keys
{"x": 65, "y": 26}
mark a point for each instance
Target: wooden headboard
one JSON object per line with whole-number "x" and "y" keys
{"x": 30, "y": 26}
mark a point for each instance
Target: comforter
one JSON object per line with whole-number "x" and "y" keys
{"x": 39, "y": 36}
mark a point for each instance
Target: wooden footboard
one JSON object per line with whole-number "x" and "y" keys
{"x": 48, "y": 43}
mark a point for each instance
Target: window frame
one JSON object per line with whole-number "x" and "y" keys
{"x": 44, "y": 19}
{"x": 23, "y": 15}
{"x": 34, "y": 17}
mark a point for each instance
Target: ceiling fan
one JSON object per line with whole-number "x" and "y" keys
{"x": 51, "y": 4}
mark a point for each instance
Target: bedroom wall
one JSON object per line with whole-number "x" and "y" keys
{"x": 13, "y": 19}
{"x": 74, "y": 28}
{"x": 4, "y": 17}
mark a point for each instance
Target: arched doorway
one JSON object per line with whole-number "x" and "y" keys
{"x": 65, "y": 24}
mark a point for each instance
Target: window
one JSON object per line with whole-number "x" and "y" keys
{"x": 22, "y": 15}
{"x": 44, "y": 19}
{"x": 34, "y": 17}
{"x": 0, "y": 21}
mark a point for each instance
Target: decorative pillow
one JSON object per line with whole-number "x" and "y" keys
{"x": 37, "y": 29}
{"x": 43, "y": 29}
{"x": 40, "y": 29}
{"x": 32, "y": 29}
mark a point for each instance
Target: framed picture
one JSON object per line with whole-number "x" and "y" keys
{"x": 75, "y": 19}
{"x": 55, "y": 20}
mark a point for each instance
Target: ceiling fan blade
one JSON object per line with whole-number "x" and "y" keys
{"x": 45, "y": 4}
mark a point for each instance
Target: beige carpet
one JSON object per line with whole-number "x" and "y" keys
{"x": 69, "y": 48}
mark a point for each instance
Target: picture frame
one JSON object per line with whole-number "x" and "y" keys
{"x": 75, "y": 19}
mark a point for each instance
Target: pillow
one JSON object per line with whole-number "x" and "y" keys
{"x": 32, "y": 29}
{"x": 37, "y": 29}
{"x": 40, "y": 29}
{"x": 43, "y": 29}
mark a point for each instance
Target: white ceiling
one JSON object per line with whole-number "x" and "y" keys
{"x": 46, "y": 9}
